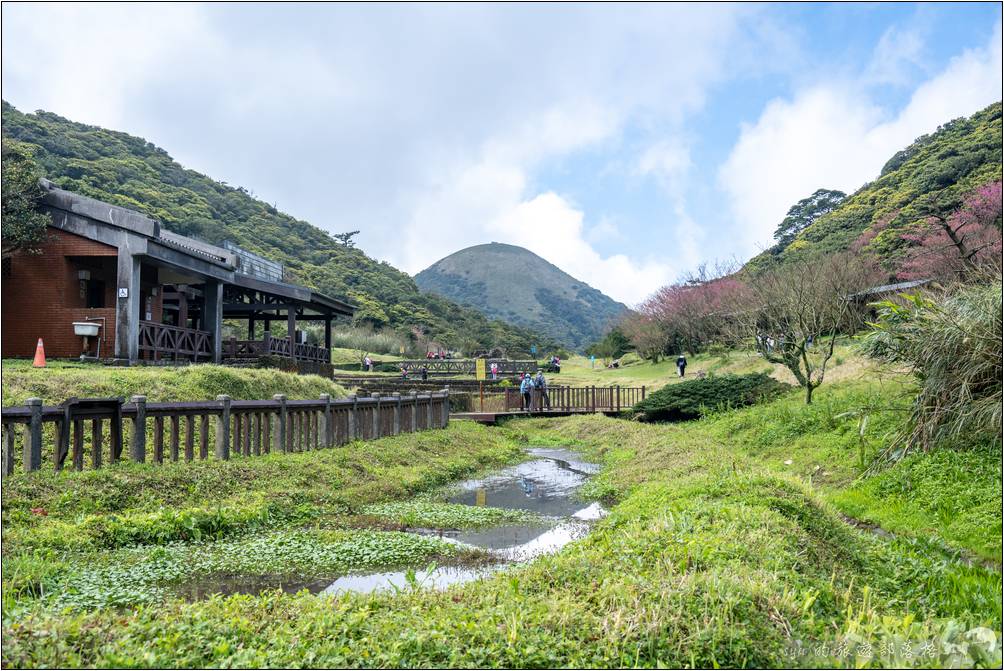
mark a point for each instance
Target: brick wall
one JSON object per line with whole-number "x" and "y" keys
{"x": 41, "y": 297}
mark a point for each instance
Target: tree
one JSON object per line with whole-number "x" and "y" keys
{"x": 953, "y": 239}
{"x": 692, "y": 313}
{"x": 804, "y": 212}
{"x": 647, "y": 336}
{"x": 346, "y": 238}
{"x": 793, "y": 314}
{"x": 613, "y": 345}
{"x": 23, "y": 223}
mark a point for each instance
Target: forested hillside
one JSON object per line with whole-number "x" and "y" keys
{"x": 131, "y": 172}
{"x": 931, "y": 176}
{"x": 514, "y": 284}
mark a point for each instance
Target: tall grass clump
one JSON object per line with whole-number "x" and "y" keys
{"x": 952, "y": 344}
{"x": 377, "y": 342}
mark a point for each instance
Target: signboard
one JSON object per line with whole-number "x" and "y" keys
{"x": 479, "y": 369}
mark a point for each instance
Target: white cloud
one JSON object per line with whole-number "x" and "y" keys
{"x": 833, "y": 136}
{"x": 551, "y": 227}
{"x": 898, "y": 51}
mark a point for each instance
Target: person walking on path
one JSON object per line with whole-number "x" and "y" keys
{"x": 368, "y": 363}
{"x": 526, "y": 393}
{"x": 495, "y": 370}
{"x": 681, "y": 364}
{"x": 540, "y": 384}
{"x": 425, "y": 372}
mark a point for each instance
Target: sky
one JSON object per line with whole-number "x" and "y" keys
{"x": 624, "y": 143}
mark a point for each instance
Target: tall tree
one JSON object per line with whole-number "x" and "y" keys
{"x": 23, "y": 223}
{"x": 804, "y": 212}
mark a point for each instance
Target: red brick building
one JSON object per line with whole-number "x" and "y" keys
{"x": 154, "y": 294}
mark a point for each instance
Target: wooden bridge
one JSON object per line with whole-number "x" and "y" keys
{"x": 495, "y": 405}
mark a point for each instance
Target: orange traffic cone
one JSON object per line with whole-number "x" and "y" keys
{"x": 39, "y": 355}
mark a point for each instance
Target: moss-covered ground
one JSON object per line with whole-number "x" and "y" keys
{"x": 728, "y": 544}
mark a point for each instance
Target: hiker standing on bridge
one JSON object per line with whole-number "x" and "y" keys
{"x": 681, "y": 364}
{"x": 540, "y": 384}
{"x": 425, "y": 373}
{"x": 526, "y": 393}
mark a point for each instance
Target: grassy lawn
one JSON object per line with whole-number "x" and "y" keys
{"x": 725, "y": 547}
{"x": 577, "y": 371}
{"x": 60, "y": 380}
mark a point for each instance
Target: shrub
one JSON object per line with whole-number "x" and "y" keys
{"x": 953, "y": 345}
{"x": 689, "y": 400}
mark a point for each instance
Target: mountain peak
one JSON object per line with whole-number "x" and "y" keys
{"x": 512, "y": 283}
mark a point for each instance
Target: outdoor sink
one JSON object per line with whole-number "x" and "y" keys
{"x": 86, "y": 328}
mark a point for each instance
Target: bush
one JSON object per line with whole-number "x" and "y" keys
{"x": 953, "y": 345}
{"x": 690, "y": 400}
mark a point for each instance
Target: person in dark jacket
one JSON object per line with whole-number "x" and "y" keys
{"x": 425, "y": 372}
{"x": 540, "y": 384}
{"x": 681, "y": 364}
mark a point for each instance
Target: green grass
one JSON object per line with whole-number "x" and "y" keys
{"x": 59, "y": 381}
{"x": 725, "y": 546}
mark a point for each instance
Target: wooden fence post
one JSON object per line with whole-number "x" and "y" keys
{"x": 397, "y": 413}
{"x": 414, "y": 411}
{"x": 428, "y": 412}
{"x": 279, "y": 425}
{"x": 618, "y": 398}
{"x": 592, "y": 402}
{"x": 353, "y": 420}
{"x": 376, "y": 417}
{"x": 137, "y": 449}
{"x": 8, "y": 448}
{"x": 643, "y": 392}
{"x": 446, "y": 408}
{"x": 33, "y": 436}
{"x": 329, "y": 429}
{"x": 223, "y": 428}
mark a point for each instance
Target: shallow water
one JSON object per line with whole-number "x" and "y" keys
{"x": 546, "y": 485}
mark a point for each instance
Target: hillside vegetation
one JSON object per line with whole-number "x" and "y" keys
{"x": 933, "y": 174}
{"x": 131, "y": 172}
{"x": 514, "y": 284}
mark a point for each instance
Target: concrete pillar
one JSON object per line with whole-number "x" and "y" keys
{"x": 212, "y": 316}
{"x": 127, "y": 306}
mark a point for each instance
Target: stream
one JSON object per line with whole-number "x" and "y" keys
{"x": 545, "y": 484}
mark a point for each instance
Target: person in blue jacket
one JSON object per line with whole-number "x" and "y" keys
{"x": 526, "y": 392}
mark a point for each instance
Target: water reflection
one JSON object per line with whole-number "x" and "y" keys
{"x": 545, "y": 485}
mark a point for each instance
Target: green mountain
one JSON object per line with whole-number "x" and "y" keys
{"x": 936, "y": 171}
{"x": 131, "y": 172}
{"x": 516, "y": 285}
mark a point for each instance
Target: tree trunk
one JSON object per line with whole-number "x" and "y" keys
{"x": 808, "y": 394}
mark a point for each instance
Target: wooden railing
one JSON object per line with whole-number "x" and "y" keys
{"x": 159, "y": 340}
{"x": 558, "y": 398}
{"x": 269, "y": 346}
{"x": 173, "y": 431}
